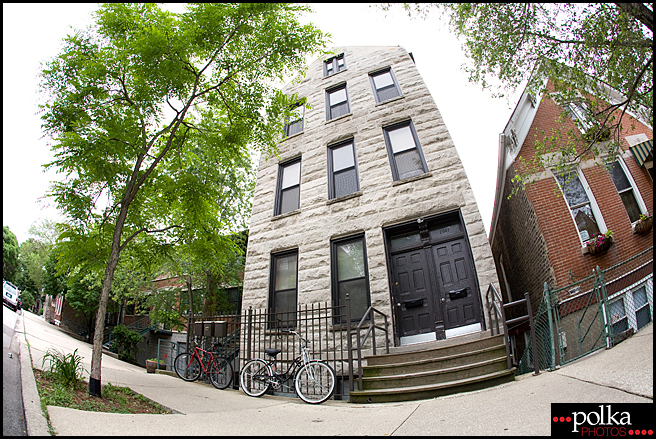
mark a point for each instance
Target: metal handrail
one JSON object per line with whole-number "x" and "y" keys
{"x": 361, "y": 341}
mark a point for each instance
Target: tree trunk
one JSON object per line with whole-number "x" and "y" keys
{"x": 95, "y": 384}
{"x": 189, "y": 314}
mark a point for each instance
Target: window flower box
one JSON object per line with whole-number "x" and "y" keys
{"x": 600, "y": 243}
{"x": 643, "y": 225}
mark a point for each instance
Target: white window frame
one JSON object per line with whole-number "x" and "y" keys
{"x": 627, "y": 294}
{"x": 634, "y": 186}
{"x": 593, "y": 205}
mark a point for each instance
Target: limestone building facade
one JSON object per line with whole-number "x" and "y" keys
{"x": 369, "y": 197}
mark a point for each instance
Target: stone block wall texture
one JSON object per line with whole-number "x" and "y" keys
{"x": 380, "y": 203}
{"x": 554, "y": 221}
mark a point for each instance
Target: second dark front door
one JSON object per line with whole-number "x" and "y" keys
{"x": 457, "y": 287}
{"x": 413, "y": 293}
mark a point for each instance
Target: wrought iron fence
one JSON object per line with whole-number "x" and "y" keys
{"x": 593, "y": 313}
{"x": 249, "y": 333}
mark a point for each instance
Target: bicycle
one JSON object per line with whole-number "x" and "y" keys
{"x": 188, "y": 366}
{"x": 314, "y": 380}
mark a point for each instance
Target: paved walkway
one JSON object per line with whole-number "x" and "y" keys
{"x": 523, "y": 407}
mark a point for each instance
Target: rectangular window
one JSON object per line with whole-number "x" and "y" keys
{"x": 333, "y": 65}
{"x": 295, "y": 123}
{"x": 579, "y": 204}
{"x": 337, "y": 103}
{"x": 349, "y": 274}
{"x": 404, "y": 151}
{"x": 625, "y": 189}
{"x": 384, "y": 85}
{"x": 579, "y": 114}
{"x": 289, "y": 187}
{"x": 342, "y": 170}
{"x": 618, "y": 319}
{"x": 283, "y": 289}
{"x": 642, "y": 311}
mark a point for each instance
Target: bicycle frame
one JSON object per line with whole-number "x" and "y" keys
{"x": 197, "y": 354}
{"x": 298, "y": 362}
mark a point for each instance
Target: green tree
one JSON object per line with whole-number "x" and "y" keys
{"x": 32, "y": 258}
{"x": 146, "y": 107}
{"x": 599, "y": 50}
{"x": 9, "y": 255}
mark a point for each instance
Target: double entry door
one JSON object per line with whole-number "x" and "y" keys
{"x": 434, "y": 286}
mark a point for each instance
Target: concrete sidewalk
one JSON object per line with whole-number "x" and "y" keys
{"x": 523, "y": 407}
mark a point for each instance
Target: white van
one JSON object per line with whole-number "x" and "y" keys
{"x": 10, "y": 295}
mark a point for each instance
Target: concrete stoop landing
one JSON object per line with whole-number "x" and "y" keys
{"x": 428, "y": 370}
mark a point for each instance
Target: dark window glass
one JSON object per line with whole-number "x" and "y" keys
{"x": 283, "y": 290}
{"x": 579, "y": 204}
{"x": 342, "y": 170}
{"x": 619, "y": 321}
{"x": 337, "y": 102}
{"x": 643, "y": 314}
{"x": 384, "y": 85}
{"x": 350, "y": 276}
{"x": 289, "y": 187}
{"x": 625, "y": 190}
{"x": 334, "y": 65}
{"x": 295, "y": 123}
{"x": 405, "y": 153}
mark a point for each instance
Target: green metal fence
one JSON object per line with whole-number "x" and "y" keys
{"x": 592, "y": 313}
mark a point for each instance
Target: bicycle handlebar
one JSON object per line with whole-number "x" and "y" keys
{"x": 306, "y": 342}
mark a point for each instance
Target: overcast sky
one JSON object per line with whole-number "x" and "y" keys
{"x": 33, "y": 33}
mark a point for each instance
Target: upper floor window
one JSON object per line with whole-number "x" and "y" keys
{"x": 342, "y": 170}
{"x": 295, "y": 123}
{"x": 581, "y": 205}
{"x": 384, "y": 85}
{"x": 627, "y": 190}
{"x": 349, "y": 273}
{"x": 289, "y": 187}
{"x": 337, "y": 103}
{"x": 579, "y": 113}
{"x": 333, "y": 65}
{"x": 406, "y": 157}
{"x": 283, "y": 289}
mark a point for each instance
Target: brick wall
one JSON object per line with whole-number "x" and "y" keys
{"x": 553, "y": 216}
{"x": 519, "y": 243}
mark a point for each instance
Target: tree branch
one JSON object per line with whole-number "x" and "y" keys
{"x": 145, "y": 230}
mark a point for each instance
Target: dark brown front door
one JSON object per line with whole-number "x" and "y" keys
{"x": 413, "y": 293}
{"x": 434, "y": 285}
{"x": 457, "y": 287}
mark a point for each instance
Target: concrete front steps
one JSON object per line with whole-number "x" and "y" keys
{"x": 429, "y": 370}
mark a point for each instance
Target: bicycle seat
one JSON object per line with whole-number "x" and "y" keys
{"x": 272, "y": 352}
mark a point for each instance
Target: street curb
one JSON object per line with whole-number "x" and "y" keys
{"x": 35, "y": 420}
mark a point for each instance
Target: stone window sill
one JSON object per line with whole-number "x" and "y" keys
{"x": 338, "y": 118}
{"x": 293, "y": 136}
{"x": 344, "y": 198}
{"x": 413, "y": 178}
{"x": 285, "y": 215}
{"x": 390, "y": 100}
{"x": 335, "y": 74}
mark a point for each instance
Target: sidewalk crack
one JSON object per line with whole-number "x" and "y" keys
{"x": 610, "y": 387}
{"x": 406, "y": 418}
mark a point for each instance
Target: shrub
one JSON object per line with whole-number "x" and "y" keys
{"x": 66, "y": 368}
{"x": 125, "y": 341}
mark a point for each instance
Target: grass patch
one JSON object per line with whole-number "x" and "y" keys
{"x": 76, "y": 396}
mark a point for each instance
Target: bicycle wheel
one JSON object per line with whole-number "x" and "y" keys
{"x": 187, "y": 367}
{"x": 315, "y": 382}
{"x": 254, "y": 377}
{"x": 220, "y": 371}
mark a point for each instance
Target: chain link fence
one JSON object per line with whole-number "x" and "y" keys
{"x": 593, "y": 313}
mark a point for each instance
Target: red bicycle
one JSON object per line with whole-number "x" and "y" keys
{"x": 188, "y": 366}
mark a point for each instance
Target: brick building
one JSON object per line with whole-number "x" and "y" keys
{"x": 539, "y": 235}
{"x": 369, "y": 197}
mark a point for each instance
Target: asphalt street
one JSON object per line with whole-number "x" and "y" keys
{"x": 13, "y": 418}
